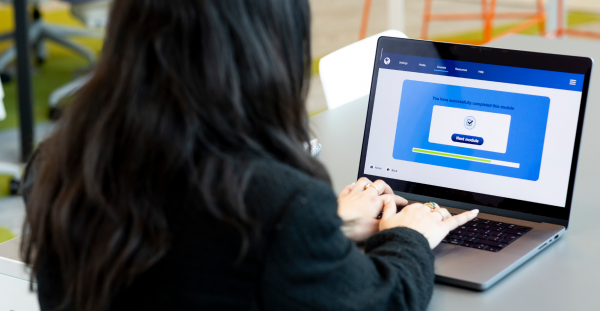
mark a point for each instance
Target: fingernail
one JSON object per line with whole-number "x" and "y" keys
{"x": 475, "y": 211}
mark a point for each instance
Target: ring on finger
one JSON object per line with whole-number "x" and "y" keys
{"x": 433, "y": 206}
{"x": 371, "y": 185}
{"x": 441, "y": 214}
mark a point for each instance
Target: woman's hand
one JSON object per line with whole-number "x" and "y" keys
{"x": 434, "y": 225}
{"x": 359, "y": 207}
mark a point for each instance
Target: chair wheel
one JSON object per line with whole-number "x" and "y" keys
{"x": 5, "y": 78}
{"x": 14, "y": 187}
{"x": 40, "y": 60}
{"x": 55, "y": 113}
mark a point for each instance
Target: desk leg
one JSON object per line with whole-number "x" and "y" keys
{"x": 24, "y": 78}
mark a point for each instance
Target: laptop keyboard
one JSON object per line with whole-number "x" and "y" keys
{"x": 485, "y": 234}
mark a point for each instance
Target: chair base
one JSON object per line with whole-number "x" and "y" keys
{"x": 14, "y": 187}
{"x": 40, "y": 31}
{"x": 64, "y": 92}
{"x": 5, "y": 77}
{"x": 15, "y": 172}
{"x": 55, "y": 113}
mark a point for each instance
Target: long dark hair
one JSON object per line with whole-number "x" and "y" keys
{"x": 186, "y": 94}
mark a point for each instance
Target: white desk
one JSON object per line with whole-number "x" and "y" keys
{"x": 564, "y": 276}
{"x": 14, "y": 280}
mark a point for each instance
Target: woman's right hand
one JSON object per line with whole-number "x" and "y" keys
{"x": 433, "y": 225}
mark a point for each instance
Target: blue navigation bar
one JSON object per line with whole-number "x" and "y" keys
{"x": 479, "y": 71}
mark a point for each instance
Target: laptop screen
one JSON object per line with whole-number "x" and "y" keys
{"x": 495, "y": 132}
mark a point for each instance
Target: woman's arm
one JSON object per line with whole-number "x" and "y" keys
{"x": 312, "y": 265}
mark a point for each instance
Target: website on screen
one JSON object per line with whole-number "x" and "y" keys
{"x": 489, "y": 129}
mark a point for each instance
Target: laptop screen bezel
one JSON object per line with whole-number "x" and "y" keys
{"x": 493, "y": 56}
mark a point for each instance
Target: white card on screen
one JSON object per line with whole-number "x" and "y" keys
{"x": 469, "y": 128}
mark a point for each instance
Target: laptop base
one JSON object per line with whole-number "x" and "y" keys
{"x": 480, "y": 269}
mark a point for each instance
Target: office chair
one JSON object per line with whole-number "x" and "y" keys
{"x": 93, "y": 13}
{"x": 39, "y": 31}
{"x": 8, "y": 168}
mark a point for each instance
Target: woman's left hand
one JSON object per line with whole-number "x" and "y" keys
{"x": 359, "y": 207}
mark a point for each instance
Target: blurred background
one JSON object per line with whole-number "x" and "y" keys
{"x": 66, "y": 38}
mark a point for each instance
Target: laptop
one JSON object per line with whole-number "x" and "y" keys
{"x": 472, "y": 127}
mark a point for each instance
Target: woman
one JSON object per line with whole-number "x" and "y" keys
{"x": 178, "y": 178}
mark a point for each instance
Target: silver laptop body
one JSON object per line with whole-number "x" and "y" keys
{"x": 456, "y": 264}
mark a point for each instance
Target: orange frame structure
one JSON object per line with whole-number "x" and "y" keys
{"x": 365, "y": 20}
{"x": 561, "y": 30}
{"x": 487, "y": 16}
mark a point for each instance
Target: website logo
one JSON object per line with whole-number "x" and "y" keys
{"x": 386, "y": 61}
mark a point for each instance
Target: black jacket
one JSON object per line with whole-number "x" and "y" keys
{"x": 301, "y": 262}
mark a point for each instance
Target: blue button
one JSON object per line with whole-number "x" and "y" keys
{"x": 467, "y": 139}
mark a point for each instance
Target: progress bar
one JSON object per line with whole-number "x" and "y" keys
{"x": 469, "y": 158}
